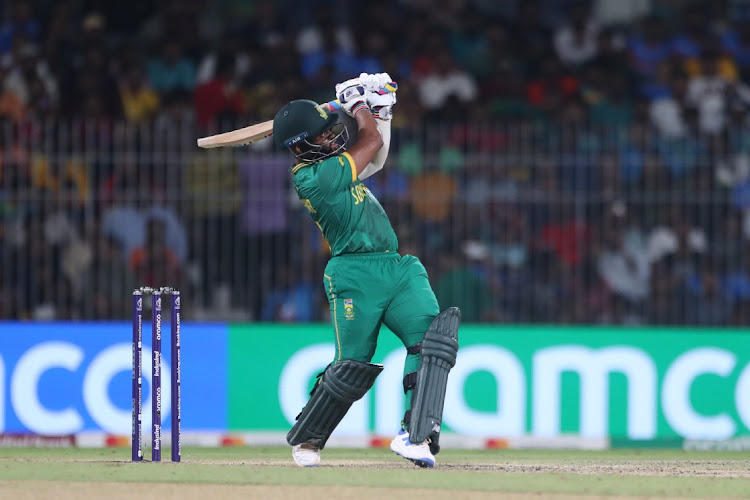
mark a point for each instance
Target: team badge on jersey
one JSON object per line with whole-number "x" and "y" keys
{"x": 348, "y": 309}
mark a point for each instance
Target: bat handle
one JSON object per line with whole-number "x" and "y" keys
{"x": 389, "y": 87}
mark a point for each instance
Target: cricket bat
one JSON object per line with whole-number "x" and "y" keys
{"x": 259, "y": 131}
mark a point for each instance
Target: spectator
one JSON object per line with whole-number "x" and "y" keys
{"x": 649, "y": 47}
{"x": 432, "y": 195}
{"x": 139, "y": 101}
{"x": 176, "y": 112}
{"x": 740, "y": 314}
{"x": 706, "y": 91}
{"x": 665, "y": 305}
{"x": 567, "y": 235}
{"x": 553, "y": 85}
{"x": 21, "y": 22}
{"x": 615, "y": 12}
{"x": 266, "y": 27}
{"x": 264, "y": 222}
{"x": 608, "y": 96}
{"x": 178, "y": 21}
{"x": 289, "y": 301}
{"x": 547, "y": 291}
{"x": 706, "y": 305}
{"x": 674, "y": 231}
{"x": 577, "y": 42}
{"x": 175, "y": 236}
{"x": 693, "y": 36}
{"x": 27, "y": 69}
{"x": 469, "y": 42}
{"x": 667, "y": 112}
{"x": 623, "y": 266}
{"x": 457, "y": 284}
{"x": 737, "y": 44}
{"x": 329, "y": 53}
{"x": 93, "y": 79}
{"x": 312, "y": 38}
{"x": 219, "y": 99}
{"x": 373, "y": 46}
{"x": 171, "y": 69}
{"x": 620, "y": 311}
{"x": 213, "y": 191}
{"x": 736, "y": 281}
{"x": 10, "y": 104}
{"x": 727, "y": 242}
{"x": 109, "y": 281}
{"x": 154, "y": 263}
{"x": 231, "y": 48}
{"x": 531, "y": 35}
{"x": 446, "y": 80}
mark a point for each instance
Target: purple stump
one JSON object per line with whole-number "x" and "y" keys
{"x": 156, "y": 376}
{"x": 176, "y": 414}
{"x": 137, "y": 456}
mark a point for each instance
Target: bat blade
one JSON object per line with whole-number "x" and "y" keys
{"x": 260, "y": 131}
{"x": 239, "y": 137}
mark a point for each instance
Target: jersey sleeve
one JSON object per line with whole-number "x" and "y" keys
{"x": 335, "y": 174}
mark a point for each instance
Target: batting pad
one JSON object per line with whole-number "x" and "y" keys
{"x": 341, "y": 385}
{"x": 439, "y": 350}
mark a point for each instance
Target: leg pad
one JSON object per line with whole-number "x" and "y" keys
{"x": 439, "y": 349}
{"x": 337, "y": 389}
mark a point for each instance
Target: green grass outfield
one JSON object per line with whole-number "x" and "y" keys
{"x": 609, "y": 474}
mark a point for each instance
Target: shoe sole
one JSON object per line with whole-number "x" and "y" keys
{"x": 312, "y": 465}
{"x": 424, "y": 464}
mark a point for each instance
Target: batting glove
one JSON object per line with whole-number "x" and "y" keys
{"x": 379, "y": 99}
{"x": 352, "y": 96}
{"x": 375, "y": 81}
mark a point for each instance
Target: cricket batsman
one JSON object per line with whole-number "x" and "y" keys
{"x": 367, "y": 281}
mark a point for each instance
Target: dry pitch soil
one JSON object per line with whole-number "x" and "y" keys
{"x": 27, "y": 490}
{"x": 23, "y": 490}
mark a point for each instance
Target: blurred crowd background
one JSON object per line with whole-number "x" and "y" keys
{"x": 552, "y": 161}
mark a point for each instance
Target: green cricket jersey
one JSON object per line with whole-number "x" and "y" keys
{"x": 351, "y": 219}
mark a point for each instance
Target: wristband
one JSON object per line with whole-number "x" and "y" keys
{"x": 360, "y": 106}
{"x": 383, "y": 112}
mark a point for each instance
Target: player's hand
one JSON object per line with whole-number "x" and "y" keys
{"x": 352, "y": 96}
{"x": 375, "y": 81}
{"x": 380, "y": 102}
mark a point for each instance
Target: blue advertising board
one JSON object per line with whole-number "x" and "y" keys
{"x": 65, "y": 378}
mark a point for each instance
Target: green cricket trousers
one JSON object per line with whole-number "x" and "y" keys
{"x": 371, "y": 289}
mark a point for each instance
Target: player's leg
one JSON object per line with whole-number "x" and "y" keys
{"x": 338, "y": 387}
{"x": 410, "y": 312}
{"x": 356, "y": 320}
{"x": 356, "y": 300}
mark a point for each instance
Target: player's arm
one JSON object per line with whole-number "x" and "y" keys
{"x": 376, "y": 165}
{"x": 381, "y": 104}
{"x": 352, "y": 96}
{"x": 380, "y": 96}
{"x": 370, "y": 141}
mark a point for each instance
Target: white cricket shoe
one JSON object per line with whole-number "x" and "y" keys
{"x": 420, "y": 454}
{"x": 306, "y": 455}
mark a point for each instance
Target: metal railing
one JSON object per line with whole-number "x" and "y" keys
{"x": 518, "y": 222}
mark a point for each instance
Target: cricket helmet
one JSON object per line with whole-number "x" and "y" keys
{"x": 299, "y": 122}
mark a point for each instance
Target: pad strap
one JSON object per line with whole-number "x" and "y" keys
{"x": 415, "y": 349}
{"x": 410, "y": 380}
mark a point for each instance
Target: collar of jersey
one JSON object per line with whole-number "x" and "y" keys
{"x": 298, "y": 166}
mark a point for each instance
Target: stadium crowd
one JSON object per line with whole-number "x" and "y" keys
{"x": 553, "y": 161}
